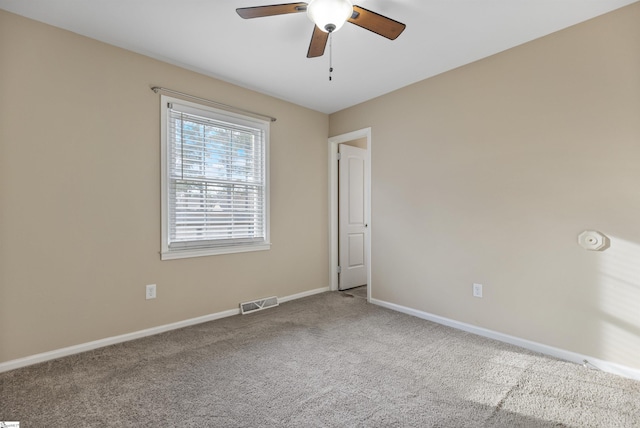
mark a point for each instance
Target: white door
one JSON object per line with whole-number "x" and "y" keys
{"x": 352, "y": 223}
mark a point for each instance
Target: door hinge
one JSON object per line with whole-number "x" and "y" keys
{"x": 339, "y": 269}
{"x": 338, "y": 156}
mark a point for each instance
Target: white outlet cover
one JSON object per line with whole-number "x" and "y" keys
{"x": 477, "y": 290}
{"x": 150, "y": 291}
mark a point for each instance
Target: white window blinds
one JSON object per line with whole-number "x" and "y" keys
{"x": 216, "y": 181}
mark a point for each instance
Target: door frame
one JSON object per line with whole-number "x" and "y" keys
{"x": 333, "y": 204}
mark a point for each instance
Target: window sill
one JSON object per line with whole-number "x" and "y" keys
{"x": 203, "y": 252}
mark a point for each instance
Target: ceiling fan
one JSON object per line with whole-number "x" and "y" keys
{"x": 329, "y": 16}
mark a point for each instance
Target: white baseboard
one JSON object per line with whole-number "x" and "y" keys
{"x": 88, "y": 346}
{"x": 562, "y": 354}
{"x": 303, "y": 294}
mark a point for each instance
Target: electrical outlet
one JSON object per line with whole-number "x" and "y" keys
{"x": 477, "y": 290}
{"x": 151, "y": 291}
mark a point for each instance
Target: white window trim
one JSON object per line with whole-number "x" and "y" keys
{"x": 171, "y": 254}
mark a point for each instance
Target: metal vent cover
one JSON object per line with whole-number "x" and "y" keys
{"x": 258, "y": 305}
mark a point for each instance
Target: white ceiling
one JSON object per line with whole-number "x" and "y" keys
{"x": 269, "y": 54}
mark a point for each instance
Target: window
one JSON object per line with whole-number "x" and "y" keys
{"x": 215, "y": 194}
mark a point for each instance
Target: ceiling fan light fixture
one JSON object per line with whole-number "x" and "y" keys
{"x": 329, "y": 15}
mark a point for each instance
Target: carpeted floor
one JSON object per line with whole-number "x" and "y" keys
{"x": 329, "y": 360}
{"x": 360, "y": 292}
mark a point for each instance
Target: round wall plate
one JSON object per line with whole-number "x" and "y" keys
{"x": 593, "y": 240}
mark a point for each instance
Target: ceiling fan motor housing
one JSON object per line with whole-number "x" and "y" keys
{"x": 329, "y": 15}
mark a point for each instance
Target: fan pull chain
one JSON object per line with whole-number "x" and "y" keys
{"x": 330, "y": 55}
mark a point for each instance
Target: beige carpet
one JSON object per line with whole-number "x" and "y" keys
{"x": 360, "y": 292}
{"x": 330, "y": 360}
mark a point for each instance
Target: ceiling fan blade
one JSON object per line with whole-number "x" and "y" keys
{"x": 377, "y": 23}
{"x": 274, "y": 9}
{"x": 318, "y": 43}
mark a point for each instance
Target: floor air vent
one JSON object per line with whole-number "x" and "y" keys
{"x": 258, "y": 305}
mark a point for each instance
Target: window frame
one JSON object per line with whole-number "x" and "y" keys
{"x": 179, "y": 252}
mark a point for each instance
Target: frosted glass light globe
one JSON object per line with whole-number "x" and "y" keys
{"x": 329, "y": 15}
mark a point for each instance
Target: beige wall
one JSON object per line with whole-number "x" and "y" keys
{"x": 80, "y": 196}
{"x": 361, "y": 143}
{"x": 488, "y": 173}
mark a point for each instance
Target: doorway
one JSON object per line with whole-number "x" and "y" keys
{"x": 362, "y": 139}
